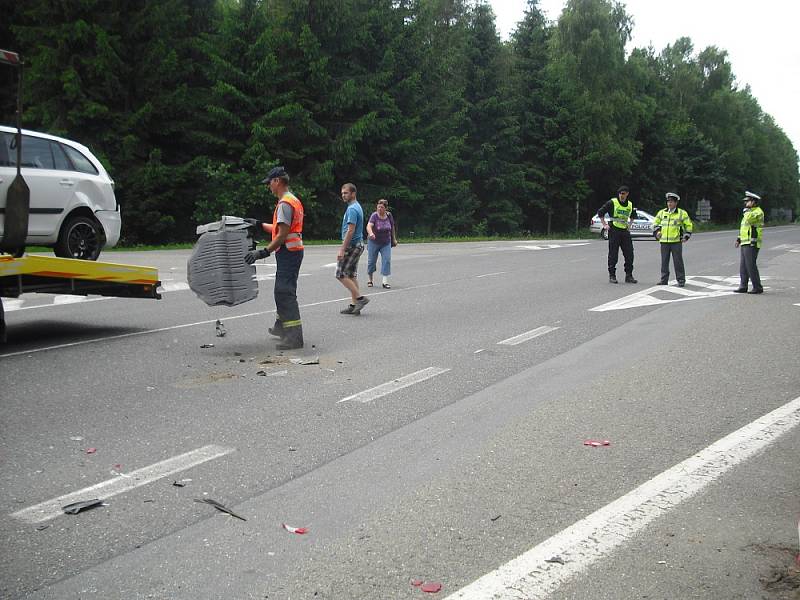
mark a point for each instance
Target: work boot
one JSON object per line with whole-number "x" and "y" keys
{"x": 758, "y": 291}
{"x": 740, "y": 290}
{"x": 361, "y": 302}
{"x": 277, "y": 329}
{"x": 630, "y": 279}
{"x": 612, "y": 279}
{"x": 662, "y": 282}
{"x": 292, "y": 338}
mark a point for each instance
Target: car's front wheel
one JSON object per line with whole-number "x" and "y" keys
{"x": 80, "y": 237}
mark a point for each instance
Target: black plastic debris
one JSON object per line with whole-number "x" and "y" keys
{"x": 495, "y": 518}
{"x": 178, "y": 484}
{"x": 206, "y": 345}
{"x": 219, "y": 507}
{"x": 42, "y": 527}
{"x": 221, "y": 331}
{"x": 76, "y": 507}
{"x": 555, "y": 559}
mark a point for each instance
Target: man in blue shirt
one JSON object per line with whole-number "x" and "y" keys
{"x": 351, "y": 249}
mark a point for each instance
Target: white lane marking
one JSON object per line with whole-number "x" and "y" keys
{"x": 490, "y": 274}
{"x": 185, "y": 325}
{"x": 44, "y": 511}
{"x": 646, "y": 297}
{"x": 551, "y": 246}
{"x": 592, "y": 538}
{"x": 392, "y": 386}
{"x": 329, "y": 265}
{"x": 528, "y": 335}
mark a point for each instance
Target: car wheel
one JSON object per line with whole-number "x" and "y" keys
{"x": 80, "y": 237}
{"x": 604, "y": 234}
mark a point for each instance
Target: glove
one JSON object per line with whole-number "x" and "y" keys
{"x": 255, "y": 255}
{"x": 686, "y": 237}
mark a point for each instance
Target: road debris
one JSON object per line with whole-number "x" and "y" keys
{"x": 219, "y": 507}
{"x": 261, "y": 373}
{"x": 221, "y": 331}
{"x": 178, "y": 484}
{"x": 42, "y": 527}
{"x": 91, "y": 450}
{"x": 431, "y": 587}
{"x": 76, "y": 438}
{"x": 76, "y": 507}
{"x": 495, "y": 518}
{"x": 279, "y": 373}
{"x": 555, "y": 559}
{"x": 596, "y": 443}
{"x": 314, "y": 360}
{"x": 206, "y": 345}
{"x": 297, "y": 530}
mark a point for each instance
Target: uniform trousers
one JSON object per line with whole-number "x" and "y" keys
{"x": 748, "y": 269}
{"x": 674, "y": 249}
{"x": 619, "y": 238}
{"x": 285, "y": 292}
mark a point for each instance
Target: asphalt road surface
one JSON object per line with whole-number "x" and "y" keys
{"x": 438, "y": 441}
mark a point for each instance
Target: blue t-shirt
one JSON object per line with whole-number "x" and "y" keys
{"x": 354, "y": 214}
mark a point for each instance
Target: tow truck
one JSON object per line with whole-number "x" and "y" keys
{"x": 22, "y": 273}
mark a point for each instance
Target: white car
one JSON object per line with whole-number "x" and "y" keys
{"x": 72, "y": 204}
{"x": 642, "y": 226}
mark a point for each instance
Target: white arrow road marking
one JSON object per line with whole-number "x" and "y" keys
{"x": 397, "y": 384}
{"x": 528, "y": 335}
{"x": 551, "y": 246}
{"x": 44, "y": 511}
{"x": 530, "y": 576}
{"x": 724, "y": 286}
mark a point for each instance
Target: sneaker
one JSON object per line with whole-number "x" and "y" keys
{"x": 630, "y": 279}
{"x": 348, "y": 311}
{"x": 360, "y": 303}
{"x": 612, "y": 279}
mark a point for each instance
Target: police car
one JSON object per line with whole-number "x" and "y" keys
{"x": 642, "y": 226}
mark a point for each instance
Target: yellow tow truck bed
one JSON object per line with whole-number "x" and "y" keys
{"x": 51, "y": 275}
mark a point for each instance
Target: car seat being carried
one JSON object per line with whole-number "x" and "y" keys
{"x": 217, "y": 271}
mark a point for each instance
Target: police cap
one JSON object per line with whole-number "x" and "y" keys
{"x": 673, "y": 196}
{"x": 751, "y": 196}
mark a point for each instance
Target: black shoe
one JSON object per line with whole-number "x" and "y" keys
{"x": 630, "y": 279}
{"x": 740, "y": 290}
{"x": 681, "y": 284}
{"x": 758, "y": 291}
{"x": 662, "y": 283}
{"x": 278, "y": 333}
{"x": 347, "y": 311}
{"x": 612, "y": 279}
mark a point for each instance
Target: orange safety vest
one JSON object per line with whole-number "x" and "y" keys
{"x": 293, "y": 241}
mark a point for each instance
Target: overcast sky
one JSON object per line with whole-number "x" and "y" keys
{"x": 762, "y": 39}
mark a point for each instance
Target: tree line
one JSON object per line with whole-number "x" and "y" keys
{"x": 190, "y": 102}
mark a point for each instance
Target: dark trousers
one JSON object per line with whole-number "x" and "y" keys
{"x": 674, "y": 249}
{"x": 619, "y": 238}
{"x": 288, "y": 311}
{"x": 748, "y": 269}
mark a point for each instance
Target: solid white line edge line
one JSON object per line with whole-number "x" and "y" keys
{"x": 590, "y": 539}
{"x": 396, "y": 384}
{"x": 50, "y": 509}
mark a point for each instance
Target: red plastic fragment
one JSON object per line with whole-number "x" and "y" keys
{"x": 118, "y": 467}
{"x": 416, "y": 582}
{"x": 596, "y": 443}
{"x": 297, "y": 530}
{"x": 797, "y": 560}
{"x": 431, "y": 587}
{"x": 91, "y": 450}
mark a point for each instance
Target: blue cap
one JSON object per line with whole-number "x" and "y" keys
{"x": 275, "y": 172}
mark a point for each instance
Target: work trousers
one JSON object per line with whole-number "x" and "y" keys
{"x": 288, "y": 270}
{"x": 619, "y": 238}
{"x": 748, "y": 269}
{"x": 674, "y": 249}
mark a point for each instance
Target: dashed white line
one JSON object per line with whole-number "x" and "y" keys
{"x": 393, "y": 386}
{"x": 528, "y": 335}
{"x": 44, "y": 511}
{"x": 592, "y": 538}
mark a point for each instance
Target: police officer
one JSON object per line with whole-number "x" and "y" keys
{"x": 672, "y": 227}
{"x": 749, "y": 242}
{"x": 619, "y": 235}
{"x": 287, "y": 244}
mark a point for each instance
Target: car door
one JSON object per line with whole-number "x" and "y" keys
{"x": 50, "y": 188}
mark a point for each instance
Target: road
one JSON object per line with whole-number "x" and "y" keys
{"x": 439, "y": 438}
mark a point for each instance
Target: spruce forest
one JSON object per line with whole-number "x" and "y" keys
{"x": 188, "y": 103}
